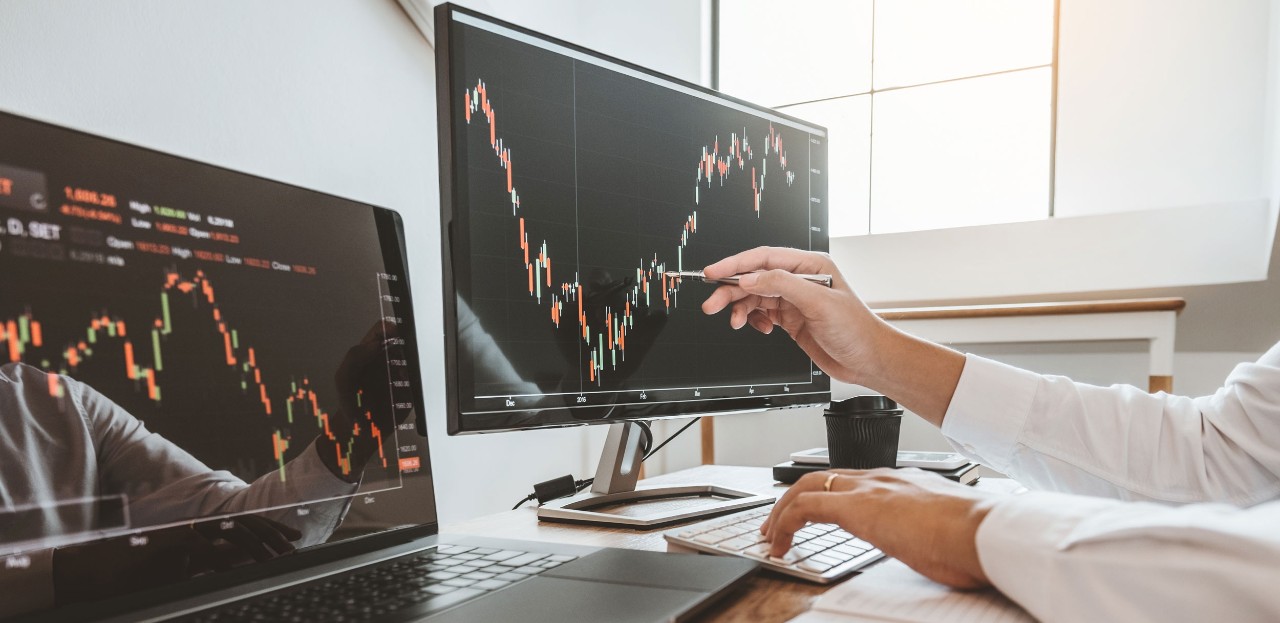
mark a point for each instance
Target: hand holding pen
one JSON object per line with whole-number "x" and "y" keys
{"x": 779, "y": 287}
{"x": 698, "y": 275}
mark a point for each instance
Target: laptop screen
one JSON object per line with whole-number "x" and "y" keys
{"x": 200, "y": 370}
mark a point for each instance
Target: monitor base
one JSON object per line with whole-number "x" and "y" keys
{"x": 648, "y": 507}
{"x": 615, "y": 500}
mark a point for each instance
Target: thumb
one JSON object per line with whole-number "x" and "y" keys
{"x": 782, "y": 284}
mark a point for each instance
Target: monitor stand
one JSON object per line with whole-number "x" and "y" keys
{"x": 615, "y": 500}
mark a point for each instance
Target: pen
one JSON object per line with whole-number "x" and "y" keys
{"x": 698, "y": 276}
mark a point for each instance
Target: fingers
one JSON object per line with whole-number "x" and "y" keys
{"x": 809, "y": 482}
{"x": 760, "y": 321}
{"x": 721, "y": 298}
{"x": 767, "y": 258}
{"x": 810, "y": 506}
{"x": 803, "y": 294}
{"x": 743, "y": 308}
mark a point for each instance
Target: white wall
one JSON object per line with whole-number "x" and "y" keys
{"x": 1160, "y": 104}
{"x": 335, "y": 95}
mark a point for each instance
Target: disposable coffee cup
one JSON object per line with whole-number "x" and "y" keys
{"x": 862, "y": 432}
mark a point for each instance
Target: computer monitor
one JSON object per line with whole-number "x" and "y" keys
{"x": 571, "y": 183}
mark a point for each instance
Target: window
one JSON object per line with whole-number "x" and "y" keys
{"x": 939, "y": 111}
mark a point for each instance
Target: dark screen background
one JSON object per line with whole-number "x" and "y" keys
{"x": 605, "y": 166}
{"x": 315, "y": 291}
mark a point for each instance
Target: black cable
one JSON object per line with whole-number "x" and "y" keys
{"x": 668, "y": 439}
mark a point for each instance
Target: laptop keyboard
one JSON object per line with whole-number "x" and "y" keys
{"x": 820, "y": 552}
{"x": 399, "y": 589}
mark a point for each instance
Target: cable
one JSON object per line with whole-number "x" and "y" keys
{"x": 565, "y": 485}
{"x": 668, "y": 439}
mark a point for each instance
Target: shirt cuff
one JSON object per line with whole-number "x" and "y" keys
{"x": 988, "y": 409}
{"x": 1021, "y": 541}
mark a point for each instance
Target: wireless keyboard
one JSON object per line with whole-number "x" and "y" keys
{"x": 820, "y": 552}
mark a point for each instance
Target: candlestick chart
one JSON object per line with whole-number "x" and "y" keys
{"x": 606, "y": 344}
{"x": 142, "y": 348}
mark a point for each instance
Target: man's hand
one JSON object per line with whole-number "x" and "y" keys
{"x": 835, "y": 328}
{"x": 832, "y": 325}
{"x": 924, "y": 520}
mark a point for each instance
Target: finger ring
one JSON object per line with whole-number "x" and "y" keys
{"x": 826, "y": 486}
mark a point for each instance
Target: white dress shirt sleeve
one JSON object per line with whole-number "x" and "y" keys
{"x": 1051, "y": 433}
{"x": 1071, "y": 558}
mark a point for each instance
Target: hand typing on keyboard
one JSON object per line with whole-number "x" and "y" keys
{"x": 922, "y": 519}
{"x": 821, "y": 552}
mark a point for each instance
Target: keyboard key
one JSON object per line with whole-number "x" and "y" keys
{"x": 522, "y": 560}
{"x": 483, "y": 551}
{"x": 848, "y": 549}
{"x": 510, "y": 577}
{"x": 502, "y": 555}
{"x": 466, "y": 556}
{"x": 826, "y": 559}
{"x": 441, "y": 576}
{"x": 737, "y": 544}
{"x": 439, "y": 589}
{"x": 808, "y": 532}
{"x": 813, "y": 566}
{"x": 478, "y": 575}
{"x": 789, "y": 558}
{"x": 561, "y": 557}
{"x": 759, "y": 551}
{"x": 459, "y": 582}
{"x": 489, "y": 585}
{"x": 453, "y": 549}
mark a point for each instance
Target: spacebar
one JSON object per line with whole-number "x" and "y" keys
{"x": 433, "y": 605}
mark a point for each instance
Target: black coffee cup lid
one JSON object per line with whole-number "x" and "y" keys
{"x": 864, "y": 405}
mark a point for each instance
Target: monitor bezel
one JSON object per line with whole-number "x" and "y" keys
{"x": 459, "y": 423}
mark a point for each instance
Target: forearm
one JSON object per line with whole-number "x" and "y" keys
{"x": 1069, "y": 558}
{"x": 917, "y": 374}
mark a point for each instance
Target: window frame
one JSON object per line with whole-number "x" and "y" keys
{"x": 1053, "y": 65}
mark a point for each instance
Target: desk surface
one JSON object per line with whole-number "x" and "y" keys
{"x": 767, "y": 597}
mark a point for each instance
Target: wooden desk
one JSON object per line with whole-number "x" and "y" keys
{"x": 767, "y": 597}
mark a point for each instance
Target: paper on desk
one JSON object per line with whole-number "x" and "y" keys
{"x": 891, "y": 591}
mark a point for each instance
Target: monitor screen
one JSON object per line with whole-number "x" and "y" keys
{"x": 188, "y": 353}
{"x": 571, "y": 183}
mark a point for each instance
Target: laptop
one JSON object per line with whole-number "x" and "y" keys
{"x": 213, "y": 411}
